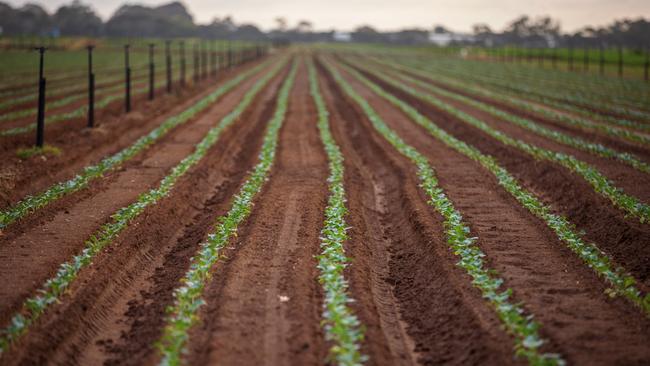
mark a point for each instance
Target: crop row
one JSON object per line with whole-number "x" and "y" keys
{"x": 182, "y": 315}
{"x": 522, "y": 327}
{"x": 504, "y": 83}
{"x": 624, "y": 93}
{"x": 139, "y": 82}
{"x": 559, "y": 97}
{"x": 80, "y": 112}
{"x": 75, "y": 88}
{"x": 576, "y": 142}
{"x": 576, "y": 81}
{"x": 514, "y": 101}
{"x": 61, "y": 82}
{"x": 630, "y": 204}
{"x": 342, "y": 327}
{"x": 53, "y": 288}
{"x": 620, "y": 282}
{"x": 92, "y": 172}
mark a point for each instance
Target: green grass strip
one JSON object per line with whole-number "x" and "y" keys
{"x": 53, "y": 288}
{"x": 524, "y": 329}
{"x": 630, "y": 204}
{"x": 342, "y": 327}
{"x": 188, "y": 297}
{"x": 573, "y": 121}
{"x": 620, "y": 282}
{"x": 538, "y": 129}
{"x": 90, "y": 173}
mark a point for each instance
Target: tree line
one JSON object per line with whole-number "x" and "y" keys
{"x": 174, "y": 20}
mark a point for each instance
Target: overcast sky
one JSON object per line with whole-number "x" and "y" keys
{"x": 458, "y": 15}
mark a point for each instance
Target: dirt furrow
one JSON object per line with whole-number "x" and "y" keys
{"x": 58, "y": 233}
{"x": 114, "y": 312}
{"x": 264, "y": 301}
{"x": 583, "y": 324}
{"x": 82, "y": 146}
{"x": 625, "y": 240}
{"x": 397, "y": 246}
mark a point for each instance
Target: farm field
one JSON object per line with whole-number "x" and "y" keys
{"x": 328, "y": 205}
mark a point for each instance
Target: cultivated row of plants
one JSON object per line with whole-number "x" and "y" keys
{"x": 522, "y": 327}
{"x": 620, "y": 282}
{"x": 557, "y": 96}
{"x": 599, "y": 86}
{"x": 139, "y": 83}
{"x": 188, "y": 298}
{"x": 81, "y": 112}
{"x": 630, "y": 204}
{"x": 546, "y": 112}
{"x": 77, "y": 88}
{"x": 92, "y": 172}
{"x": 622, "y": 98}
{"x": 575, "y": 82}
{"x": 576, "y": 142}
{"x": 55, "y": 287}
{"x": 342, "y": 327}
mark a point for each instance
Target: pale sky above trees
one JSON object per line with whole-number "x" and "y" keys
{"x": 458, "y": 15}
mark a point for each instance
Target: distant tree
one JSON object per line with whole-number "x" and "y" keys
{"x": 410, "y": 36}
{"x": 281, "y": 24}
{"x": 439, "y": 29}
{"x": 367, "y": 34}
{"x": 33, "y": 19}
{"x": 628, "y": 32}
{"x": 78, "y": 19}
{"x": 9, "y": 21}
{"x": 483, "y": 34}
{"x": 528, "y": 32}
{"x": 481, "y": 28}
{"x": 171, "y": 20}
{"x": 304, "y": 26}
{"x": 218, "y": 28}
{"x": 248, "y": 32}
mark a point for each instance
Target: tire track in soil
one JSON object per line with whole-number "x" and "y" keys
{"x": 264, "y": 301}
{"x": 82, "y": 146}
{"x": 397, "y": 246}
{"x": 60, "y": 236}
{"x": 625, "y": 240}
{"x": 583, "y": 324}
{"x": 115, "y": 310}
